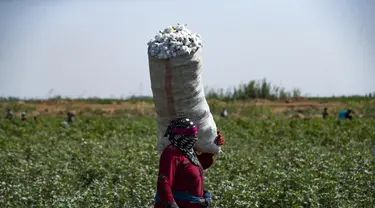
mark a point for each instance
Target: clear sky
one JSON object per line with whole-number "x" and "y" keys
{"x": 98, "y": 48}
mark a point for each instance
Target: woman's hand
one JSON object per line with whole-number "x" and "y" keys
{"x": 219, "y": 139}
{"x": 206, "y": 201}
{"x": 171, "y": 204}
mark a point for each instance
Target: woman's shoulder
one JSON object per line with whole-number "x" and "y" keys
{"x": 171, "y": 150}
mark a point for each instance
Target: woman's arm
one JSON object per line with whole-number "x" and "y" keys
{"x": 207, "y": 159}
{"x": 167, "y": 168}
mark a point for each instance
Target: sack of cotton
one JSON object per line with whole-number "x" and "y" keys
{"x": 175, "y": 65}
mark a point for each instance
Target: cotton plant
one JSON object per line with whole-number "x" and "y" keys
{"x": 174, "y": 41}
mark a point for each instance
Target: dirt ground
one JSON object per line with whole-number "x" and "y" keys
{"x": 49, "y": 108}
{"x": 60, "y": 107}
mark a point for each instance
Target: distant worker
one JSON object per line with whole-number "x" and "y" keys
{"x": 224, "y": 113}
{"x": 23, "y": 116}
{"x": 70, "y": 117}
{"x": 325, "y": 113}
{"x": 9, "y": 115}
{"x": 345, "y": 114}
{"x": 36, "y": 120}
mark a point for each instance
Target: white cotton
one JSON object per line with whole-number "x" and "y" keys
{"x": 64, "y": 123}
{"x": 174, "y": 41}
{"x": 157, "y": 37}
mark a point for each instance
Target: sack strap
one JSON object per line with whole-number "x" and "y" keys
{"x": 168, "y": 79}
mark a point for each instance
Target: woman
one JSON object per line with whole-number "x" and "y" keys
{"x": 180, "y": 178}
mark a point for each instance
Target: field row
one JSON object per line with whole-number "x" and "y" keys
{"x": 111, "y": 162}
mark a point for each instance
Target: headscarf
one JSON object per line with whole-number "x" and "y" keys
{"x": 182, "y": 133}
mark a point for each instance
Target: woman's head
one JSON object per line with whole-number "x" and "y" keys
{"x": 183, "y": 133}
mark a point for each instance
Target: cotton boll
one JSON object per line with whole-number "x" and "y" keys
{"x": 158, "y": 37}
{"x": 178, "y": 37}
{"x": 168, "y": 29}
{"x": 149, "y": 43}
{"x": 180, "y": 27}
{"x": 184, "y": 41}
{"x": 174, "y": 42}
{"x": 193, "y": 40}
{"x": 173, "y": 36}
{"x": 167, "y": 36}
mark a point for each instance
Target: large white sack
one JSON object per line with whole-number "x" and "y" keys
{"x": 178, "y": 92}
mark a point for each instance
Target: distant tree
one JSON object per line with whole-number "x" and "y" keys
{"x": 296, "y": 92}
{"x": 265, "y": 89}
{"x": 250, "y": 89}
{"x": 282, "y": 93}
